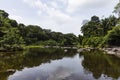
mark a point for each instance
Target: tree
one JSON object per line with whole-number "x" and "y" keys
{"x": 3, "y": 14}
{"x": 12, "y": 40}
{"x": 13, "y": 34}
{"x": 113, "y": 37}
{"x": 95, "y": 19}
{"x": 1, "y": 24}
{"x": 70, "y": 39}
{"x": 117, "y": 9}
{"x": 13, "y": 23}
{"x": 80, "y": 39}
{"x": 32, "y": 34}
{"x": 51, "y": 42}
{"x": 108, "y": 23}
{"x": 92, "y": 28}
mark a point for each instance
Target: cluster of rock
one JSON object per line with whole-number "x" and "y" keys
{"x": 85, "y": 49}
{"x": 113, "y": 51}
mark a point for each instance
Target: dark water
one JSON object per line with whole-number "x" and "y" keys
{"x": 55, "y": 64}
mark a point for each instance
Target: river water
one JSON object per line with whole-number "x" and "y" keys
{"x": 56, "y": 64}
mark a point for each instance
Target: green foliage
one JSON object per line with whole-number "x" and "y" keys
{"x": 33, "y": 46}
{"x": 92, "y": 28}
{"x": 13, "y": 35}
{"x": 48, "y": 43}
{"x": 12, "y": 40}
{"x": 117, "y": 9}
{"x": 96, "y": 27}
{"x": 92, "y": 41}
{"x": 80, "y": 39}
{"x": 95, "y": 41}
{"x": 95, "y": 19}
{"x": 95, "y": 32}
{"x": 3, "y": 14}
{"x": 13, "y": 23}
{"x": 70, "y": 39}
{"x": 113, "y": 37}
{"x": 108, "y": 23}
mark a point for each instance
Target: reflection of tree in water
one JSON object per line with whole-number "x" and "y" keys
{"x": 36, "y": 57}
{"x": 30, "y": 58}
{"x": 99, "y": 63}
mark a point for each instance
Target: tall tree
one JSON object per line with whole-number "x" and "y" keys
{"x": 117, "y": 9}
{"x": 108, "y": 23}
{"x": 92, "y": 28}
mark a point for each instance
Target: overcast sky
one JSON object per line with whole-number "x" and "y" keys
{"x": 58, "y": 15}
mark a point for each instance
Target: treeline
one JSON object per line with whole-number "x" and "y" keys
{"x": 101, "y": 32}
{"x": 96, "y": 33}
{"x": 13, "y": 35}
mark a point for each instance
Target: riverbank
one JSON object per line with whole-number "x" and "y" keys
{"x": 112, "y": 51}
{"x": 34, "y": 46}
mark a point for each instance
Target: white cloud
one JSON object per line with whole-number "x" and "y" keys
{"x": 52, "y": 11}
{"x": 16, "y": 17}
{"x": 58, "y": 16}
{"x": 68, "y": 6}
{"x": 54, "y": 4}
{"x": 74, "y": 5}
{"x": 30, "y": 2}
{"x": 67, "y": 15}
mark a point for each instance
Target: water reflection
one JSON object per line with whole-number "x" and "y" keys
{"x": 56, "y": 70}
{"x": 29, "y": 58}
{"x": 55, "y": 64}
{"x": 99, "y": 64}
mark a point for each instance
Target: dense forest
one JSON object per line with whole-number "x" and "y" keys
{"x": 101, "y": 32}
{"x": 14, "y": 36}
{"x": 96, "y": 33}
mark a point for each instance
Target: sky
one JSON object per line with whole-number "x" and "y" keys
{"x": 64, "y": 16}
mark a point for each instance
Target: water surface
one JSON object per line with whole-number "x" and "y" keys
{"x": 55, "y": 64}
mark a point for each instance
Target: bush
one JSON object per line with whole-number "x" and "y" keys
{"x": 113, "y": 37}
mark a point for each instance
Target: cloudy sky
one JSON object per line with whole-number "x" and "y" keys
{"x": 58, "y": 15}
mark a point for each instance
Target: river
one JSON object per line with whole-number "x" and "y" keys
{"x": 58, "y": 64}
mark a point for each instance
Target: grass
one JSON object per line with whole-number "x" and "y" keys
{"x": 33, "y": 46}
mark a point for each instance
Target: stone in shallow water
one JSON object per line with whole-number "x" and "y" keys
{"x": 10, "y": 70}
